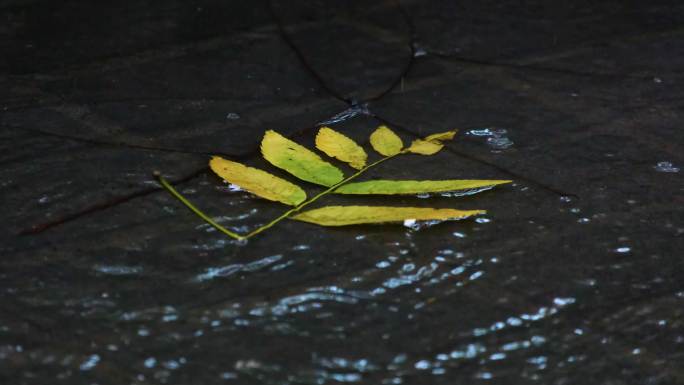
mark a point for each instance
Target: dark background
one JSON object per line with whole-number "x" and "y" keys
{"x": 574, "y": 276}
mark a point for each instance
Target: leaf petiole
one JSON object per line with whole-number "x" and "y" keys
{"x": 194, "y": 209}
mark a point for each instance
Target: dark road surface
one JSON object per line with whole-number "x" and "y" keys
{"x": 575, "y": 275}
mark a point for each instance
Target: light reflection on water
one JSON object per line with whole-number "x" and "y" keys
{"x": 400, "y": 316}
{"x": 448, "y": 267}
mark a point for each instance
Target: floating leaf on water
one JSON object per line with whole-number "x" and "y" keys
{"x": 353, "y": 215}
{"x": 258, "y": 182}
{"x": 386, "y": 142}
{"x": 307, "y": 165}
{"x": 298, "y": 160}
{"x": 391, "y": 187}
{"x": 339, "y": 146}
{"x": 432, "y": 144}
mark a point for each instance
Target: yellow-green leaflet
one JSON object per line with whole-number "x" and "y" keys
{"x": 258, "y": 182}
{"x": 385, "y": 141}
{"x": 337, "y": 145}
{"x": 354, "y": 215}
{"x": 298, "y": 160}
{"x": 431, "y": 144}
{"x": 415, "y": 186}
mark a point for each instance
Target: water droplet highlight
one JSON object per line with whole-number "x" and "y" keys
{"x": 665, "y": 167}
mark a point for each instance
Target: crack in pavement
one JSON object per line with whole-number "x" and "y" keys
{"x": 532, "y": 67}
{"x": 41, "y": 227}
{"x": 302, "y": 58}
{"x": 411, "y": 44}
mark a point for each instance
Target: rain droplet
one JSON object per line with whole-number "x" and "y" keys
{"x": 423, "y": 364}
{"x": 496, "y": 137}
{"x": 150, "y": 362}
{"x": 234, "y": 188}
{"x": 418, "y": 225}
{"x": 90, "y": 362}
{"x": 480, "y": 132}
{"x": 665, "y": 167}
{"x": 500, "y": 143}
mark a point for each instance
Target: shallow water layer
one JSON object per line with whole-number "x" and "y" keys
{"x": 455, "y": 301}
{"x": 574, "y": 275}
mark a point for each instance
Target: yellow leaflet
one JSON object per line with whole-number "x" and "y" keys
{"x": 431, "y": 144}
{"x": 258, "y": 182}
{"x": 354, "y": 215}
{"x": 385, "y": 141}
{"x": 424, "y": 147}
{"x": 336, "y": 145}
{"x": 298, "y": 160}
{"x": 415, "y": 186}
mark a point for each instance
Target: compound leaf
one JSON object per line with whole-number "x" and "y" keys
{"x": 431, "y": 144}
{"x": 390, "y": 187}
{"x": 339, "y": 146}
{"x": 354, "y": 215}
{"x": 386, "y": 142}
{"x": 258, "y": 182}
{"x": 298, "y": 160}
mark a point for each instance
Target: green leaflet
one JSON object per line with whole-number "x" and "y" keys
{"x": 355, "y": 215}
{"x": 298, "y": 160}
{"x": 391, "y": 187}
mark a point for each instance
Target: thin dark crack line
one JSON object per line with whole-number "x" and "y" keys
{"x": 489, "y": 63}
{"x": 504, "y": 170}
{"x": 412, "y": 54}
{"x": 329, "y": 89}
{"x": 29, "y": 104}
{"x": 37, "y": 229}
{"x": 300, "y": 55}
{"x": 98, "y": 142}
{"x": 159, "y": 51}
{"x": 530, "y": 67}
{"x": 70, "y": 217}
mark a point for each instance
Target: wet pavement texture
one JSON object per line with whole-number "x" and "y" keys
{"x": 574, "y": 276}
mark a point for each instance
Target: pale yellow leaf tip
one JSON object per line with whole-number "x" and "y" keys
{"x": 432, "y": 144}
{"x": 448, "y": 135}
{"x": 386, "y": 142}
